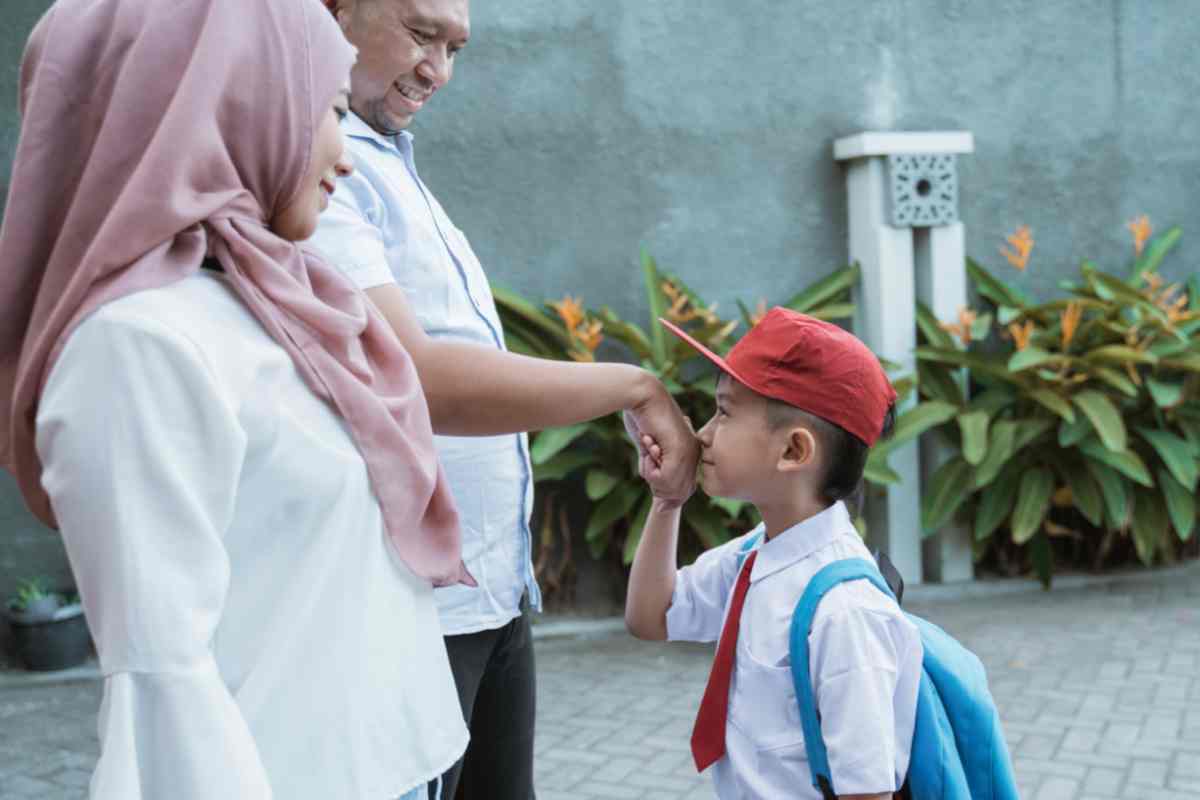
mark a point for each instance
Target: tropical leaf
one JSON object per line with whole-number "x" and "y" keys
{"x": 1181, "y": 504}
{"x": 636, "y": 527}
{"x": 1054, "y": 402}
{"x": 1150, "y": 522}
{"x": 931, "y": 328}
{"x": 1153, "y": 255}
{"x": 937, "y": 383}
{"x": 1120, "y": 354}
{"x": 1033, "y": 501}
{"x": 1001, "y": 448}
{"x": 599, "y": 483}
{"x": 996, "y": 503}
{"x": 562, "y": 465}
{"x": 1128, "y": 463}
{"x": 948, "y": 488}
{"x": 824, "y": 290}
{"x": 978, "y": 365}
{"x": 1166, "y": 395}
{"x": 1029, "y": 430}
{"x": 1072, "y": 433}
{"x": 612, "y": 508}
{"x": 1105, "y": 418}
{"x": 833, "y": 311}
{"x": 993, "y": 401}
{"x": 1085, "y": 494}
{"x": 1176, "y": 454}
{"x": 707, "y": 523}
{"x": 877, "y": 470}
{"x": 1032, "y": 357}
{"x": 552, "y": 440}
{"x": 920, "y": 418}
{"x": 1112, "y": 490}
{"x": 974, "y": 428}
{"x": 1115, "y": 379}
{"x": 654, "y": 299}
{"x": 994, "y": 289}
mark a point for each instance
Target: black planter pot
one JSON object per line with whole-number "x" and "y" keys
{"x": 53, "y": 644}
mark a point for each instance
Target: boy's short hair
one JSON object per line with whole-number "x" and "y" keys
{"x": 844, "y": 453}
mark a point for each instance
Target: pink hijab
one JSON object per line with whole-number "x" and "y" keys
{"x": 156, "y": 133}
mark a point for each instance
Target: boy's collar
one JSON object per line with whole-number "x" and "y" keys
{"x": 800, "y": 541}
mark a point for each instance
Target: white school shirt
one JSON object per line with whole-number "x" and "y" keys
{"x": 385, "y": 226}
{"x": 865, "y": 661}
{"x": 257, "y": 635}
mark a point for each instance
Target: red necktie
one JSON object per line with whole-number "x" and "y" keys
{"x": 708, "y": 735}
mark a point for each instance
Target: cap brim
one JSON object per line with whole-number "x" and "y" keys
{"x": 704, "y": 351}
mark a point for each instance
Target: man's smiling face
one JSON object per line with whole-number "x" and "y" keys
{"x": 406, "y": 52}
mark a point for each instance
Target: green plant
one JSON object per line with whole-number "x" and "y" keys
{"x": 32, "y": 592}
{"x": 1084, "y": 429}
{"x": 598, "y": 454}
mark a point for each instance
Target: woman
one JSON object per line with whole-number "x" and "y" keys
{"x": 234, "y": 446}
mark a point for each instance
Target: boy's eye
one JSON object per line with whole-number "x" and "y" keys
{"x": 421, "y": 36}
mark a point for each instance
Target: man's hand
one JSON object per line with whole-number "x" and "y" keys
{"x": 668, "y": 447}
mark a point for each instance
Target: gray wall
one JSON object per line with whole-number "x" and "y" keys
{"x": 26, "y": 547}
{"x": 576, "y": 132}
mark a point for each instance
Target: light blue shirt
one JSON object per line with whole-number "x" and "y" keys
{"x": 385, "y": 226}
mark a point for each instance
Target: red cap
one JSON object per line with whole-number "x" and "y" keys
{"x": 812, "y": 365}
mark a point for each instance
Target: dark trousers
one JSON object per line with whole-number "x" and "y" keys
{"x": 494, "y": 672}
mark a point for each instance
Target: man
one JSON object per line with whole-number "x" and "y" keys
{"x": 387, "y": 231}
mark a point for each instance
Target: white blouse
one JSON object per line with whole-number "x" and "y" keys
{"x": 257, "y": 635}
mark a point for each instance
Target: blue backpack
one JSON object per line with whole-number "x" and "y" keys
{"x": 958, "y": 749}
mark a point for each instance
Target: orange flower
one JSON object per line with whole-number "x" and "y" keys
{"x": 1022, "y": 246}
{"x": 759, "y": 313}
{"x": 1021, "y": 334}
{"x": 1071, "y": 316}
{"x": 962, "y": 328}
{"x": 590, "y": 336}
{"x": 570, "y": 309}
{"x": 1141, "y": 230}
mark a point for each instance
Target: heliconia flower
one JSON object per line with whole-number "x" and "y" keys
{"x": 570, "y": 309}
{"x": 962, "y": 328}
{"x": 1021, "y": 334}
{"x": 1141, "y": 230}
{"x": 590, "y": 336}
{"x": 1022, "y": 246}
{"x": 759, "y": 312}
{"x": 1071, "y": 316}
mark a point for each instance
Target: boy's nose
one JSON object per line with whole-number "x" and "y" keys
{"x": 705, "y": 434}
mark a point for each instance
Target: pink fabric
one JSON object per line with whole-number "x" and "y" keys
{"x": 156, "y": 133}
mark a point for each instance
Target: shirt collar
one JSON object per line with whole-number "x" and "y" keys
{"x": 801, "y": 540}
{"x": 354, "y": 126}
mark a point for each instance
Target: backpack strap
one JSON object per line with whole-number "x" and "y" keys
{"x": 850, "y": 569}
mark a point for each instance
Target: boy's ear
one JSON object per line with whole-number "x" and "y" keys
{"x": 800, "y": 450}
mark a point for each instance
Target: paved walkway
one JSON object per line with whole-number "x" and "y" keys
{"x": 1098, "y": 687}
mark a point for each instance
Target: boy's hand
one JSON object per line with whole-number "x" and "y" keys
{"x": 668, "y": 468}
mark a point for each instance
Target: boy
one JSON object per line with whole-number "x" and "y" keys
{"x": 799, "y": 403}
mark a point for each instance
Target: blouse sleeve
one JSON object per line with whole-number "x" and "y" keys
{"x": 141, "y": 453}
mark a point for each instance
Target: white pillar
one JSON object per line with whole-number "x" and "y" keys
{"x": 902, "y": 257}
{"x": 948, "y": 553}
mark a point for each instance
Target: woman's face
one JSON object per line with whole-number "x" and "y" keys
{"x": 298, "y": 221}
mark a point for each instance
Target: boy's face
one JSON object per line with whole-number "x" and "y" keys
{"x": 739, "y": 451}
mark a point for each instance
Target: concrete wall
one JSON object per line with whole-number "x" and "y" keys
{"x": 577, "y": 131}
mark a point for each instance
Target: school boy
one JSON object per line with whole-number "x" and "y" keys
{"x": 798, "y": 405}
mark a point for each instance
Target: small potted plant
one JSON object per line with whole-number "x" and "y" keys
{"x": 49, "y": 631}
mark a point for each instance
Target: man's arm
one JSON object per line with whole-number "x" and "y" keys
{"x": 474, "y": 390}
